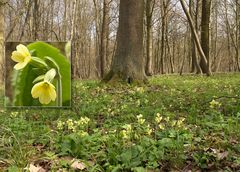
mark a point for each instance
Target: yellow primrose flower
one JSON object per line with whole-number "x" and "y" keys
{"x": 22, "y": 56}
{"x": 60, "y": 125}
{"x": 140, "y": 119}
{"x": 161, "y": 127}
{"x": 158, "y": 118}
{"x": 149, "y": 130}
{"x": 45, "y": 91}
{"x": 214, "y": 104}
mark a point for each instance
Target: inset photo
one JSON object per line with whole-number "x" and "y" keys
{"x": 38, "y": 74}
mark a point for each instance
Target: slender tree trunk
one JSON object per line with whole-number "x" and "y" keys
{"x": 97, "y": 39}
{"x": 1, "y": 41}
{"x": 149, "y": 44}
{"x": 104, "y": 38}
{"x": 238, "y": 33}
{"x": 205, "y": 38}
{"x": 195, "y": 65}
{"x": 73, "y": 39}
{"x": 164, "y": 11}
{"x": 198, "y": 44}
{"x": 35, "y": 19}
{"x": 128, "y": 63}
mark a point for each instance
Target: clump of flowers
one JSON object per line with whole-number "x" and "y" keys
{"x": 14, "y": 114}
{"x": 126, "y": 132}
{"x": 214, "y": 104}
{"x": 80, "y": 126}
{"x": 149, "y": 130}
{"x": 139, "y": 89}
{"x": 60, "y": 125}
{"x": 82, "y": 133}
{"x": 179, "y": 124}
{"x": 158, "y": 120}
{"x": 83, "y": 121}
{"x": 70, "y": 125}
{"x": 140, "y": 119}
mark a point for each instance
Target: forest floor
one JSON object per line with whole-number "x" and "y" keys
{"x": 175, "y": 123}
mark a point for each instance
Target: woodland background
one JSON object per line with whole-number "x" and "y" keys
{"x": 91, "y": 26}
{"x": 171, "y": 123}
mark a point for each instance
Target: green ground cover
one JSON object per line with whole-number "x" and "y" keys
{"x": 174, "y": 123}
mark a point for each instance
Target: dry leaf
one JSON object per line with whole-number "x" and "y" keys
{"x": 78, "y": 165}
{"x": 33, "y": 168}
{"x": 222, "y": 155}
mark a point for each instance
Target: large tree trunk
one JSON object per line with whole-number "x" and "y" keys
{"x": 128, "y": 62}
{"x": 205, "y": 39}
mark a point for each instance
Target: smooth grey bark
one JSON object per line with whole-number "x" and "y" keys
{"x": 128, "y": 62}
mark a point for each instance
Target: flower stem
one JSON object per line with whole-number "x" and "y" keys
{"x": 59, "y": 91}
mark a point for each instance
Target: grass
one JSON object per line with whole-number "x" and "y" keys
{"x": 173, "y": 123}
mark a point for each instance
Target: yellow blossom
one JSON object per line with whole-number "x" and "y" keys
{"x": 22, "y": 56}
{"x": 126, "y": 131}
{"x": 158, "y": 118}
{"x": 60, "y": 125}
{"x": 70, "y": 125}
{"x": 214, "y": 104}
{"x": 82, "y": 133}
{"x": 45, "y": 91}
{"x": 149, "y": 130}
{"x": 140, "y": 119}
{"x": 83, "y": 121}
{"x": 161, "y": 127}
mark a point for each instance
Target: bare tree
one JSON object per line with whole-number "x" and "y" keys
{"x": 205, "y": 37}
{"x": 104, "y": 37}
{"x": 1, "y": 39}
{"x": 149, "y": 43}
{"x": 200, "y": 49}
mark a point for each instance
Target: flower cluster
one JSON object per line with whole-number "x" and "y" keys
{"x": 214, "y": 104}
{"x": 83, "y": 121}
{"x": 74, "y": 125}
{"x": 169, "y": 123}
{"x": 14, "y": 114}
{"x": 140, "y": 119}
{"x": 149, "y": 130}
{"x": 158, "y": 120}
{"x": 126, "y": 132}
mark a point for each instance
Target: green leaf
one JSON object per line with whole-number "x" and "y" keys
{"x": 23, "y": 83}
{"x": 38, "y": 79}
